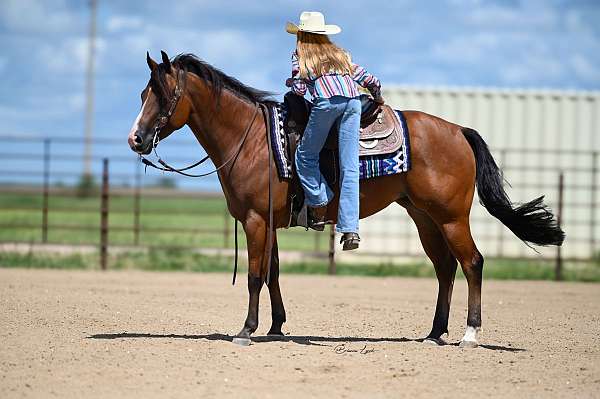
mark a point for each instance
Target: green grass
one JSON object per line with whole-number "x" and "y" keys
{"x": 184, "y": 260}
{"x": 199, "y": 213}
{"x": 74, "y": 220}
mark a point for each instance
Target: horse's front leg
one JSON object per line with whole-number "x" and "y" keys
{"x": 277, "y": 309}
{"x": 255, "y": 228}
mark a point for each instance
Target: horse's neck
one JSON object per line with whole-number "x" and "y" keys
{"x": 220, "y": 129}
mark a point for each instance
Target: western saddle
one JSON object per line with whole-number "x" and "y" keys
{"x": 380, "y": 133}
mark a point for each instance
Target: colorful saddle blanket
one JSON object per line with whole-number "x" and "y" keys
{"x": 374, "y": 165}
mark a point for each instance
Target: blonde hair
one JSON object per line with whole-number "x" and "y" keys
{"x": 319, "y": 55}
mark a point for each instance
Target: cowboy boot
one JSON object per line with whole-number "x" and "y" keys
{"x": 317, "y": 217}
{"x": 313, "y": 218}
{"x": 350, "y": 241}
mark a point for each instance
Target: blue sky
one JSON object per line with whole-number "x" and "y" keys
{"x": 531, "y": 44}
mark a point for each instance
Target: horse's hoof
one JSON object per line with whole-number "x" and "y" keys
{"x": 434, "y": 342}
{"x": 470, "y": 338}
{"x": 275, "y": 333}
{"x": 241, "y": 341}
{"x": 468, "y": 344}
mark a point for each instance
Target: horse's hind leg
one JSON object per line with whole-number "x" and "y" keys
{"x": 445, "y": 269}
{"x": 277, "y": 309}
{"x": 459, "y": 239}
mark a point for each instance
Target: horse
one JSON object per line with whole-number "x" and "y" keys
{"x": 448, "y": 162}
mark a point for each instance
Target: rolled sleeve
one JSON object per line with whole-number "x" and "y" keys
{"x": 366, "y": 80}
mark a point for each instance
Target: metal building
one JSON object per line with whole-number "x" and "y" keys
{"x": 534, "y": 136}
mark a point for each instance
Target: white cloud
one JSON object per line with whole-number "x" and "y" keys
{"x": 38, "y": 16}
{"x": 135, "y": 44}
{"x": 224, "y": 48}
{"x": 585, "y": 70}
{"x": 464, "y": 2}
{"x": 530, "y": 43}
{"x": 532, "y": 68}
{"x": 229, "y": 44}
{"x": 466, "y": 48}
{"x": 69, "y": 56}
{"x": 119, "y": 23}
{"x": 76, "y": 102}
{"x": 527, "y": 16}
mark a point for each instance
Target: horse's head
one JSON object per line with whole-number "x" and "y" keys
{"x": 165, "y": 106}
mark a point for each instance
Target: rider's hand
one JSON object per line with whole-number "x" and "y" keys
{"x": 379, "y": 100}
{"x": 289, "y": 82}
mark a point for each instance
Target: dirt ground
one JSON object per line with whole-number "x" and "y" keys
{"x": 75, "y": 334}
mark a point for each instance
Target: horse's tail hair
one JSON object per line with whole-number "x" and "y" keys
{"x": 532, "y": 222}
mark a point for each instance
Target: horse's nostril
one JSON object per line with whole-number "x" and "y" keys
{"x": 138, "y": 139}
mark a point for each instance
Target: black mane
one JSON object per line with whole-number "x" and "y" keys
{"x": 219, "y": 80}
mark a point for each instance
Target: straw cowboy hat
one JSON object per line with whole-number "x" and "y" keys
{"x": 313, "y": 22}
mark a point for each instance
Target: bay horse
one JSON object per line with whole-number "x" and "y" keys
{"x": 448, "y": 162}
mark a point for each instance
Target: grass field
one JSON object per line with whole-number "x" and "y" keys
{"x": 184, "y": 260}
{"x": 163, "y": 222}
{"x": 167, "y": 222}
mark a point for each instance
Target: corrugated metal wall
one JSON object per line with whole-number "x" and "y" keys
{"x": 534, "y": 135}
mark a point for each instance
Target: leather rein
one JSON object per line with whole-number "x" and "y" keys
{"x": 163, "y": 119}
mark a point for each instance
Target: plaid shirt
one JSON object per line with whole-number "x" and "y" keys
{"x": 333, "y": 84}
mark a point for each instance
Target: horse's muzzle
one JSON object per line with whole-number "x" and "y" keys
{"x": 138, "y": 144}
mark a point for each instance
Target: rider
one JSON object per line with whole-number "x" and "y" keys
{"x": 329, "y": 74}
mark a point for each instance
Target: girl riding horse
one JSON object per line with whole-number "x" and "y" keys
{"x": 331, "y": 77}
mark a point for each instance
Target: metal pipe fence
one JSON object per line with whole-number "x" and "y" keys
{"x": 45, "y": 199}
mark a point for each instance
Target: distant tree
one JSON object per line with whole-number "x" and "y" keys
{"x": 86, "y": 186}
{"x": 166, "y": 182}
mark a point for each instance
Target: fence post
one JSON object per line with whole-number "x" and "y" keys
{"x": 332, "y": 268}
{"x": 226, "y": 228}
{"x": 593, "y": 204}
{"x": 104, "y": 216}
{"x": 558, "y": 271}
{"x": 136, "y": 204}
{"x": 46, "y": 190}
{"x": 317, "y": 241}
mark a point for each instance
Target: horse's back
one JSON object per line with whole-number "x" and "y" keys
{"x": 443, "y": 165}
{"x": 432, "y": 137}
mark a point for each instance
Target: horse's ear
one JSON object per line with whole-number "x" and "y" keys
{"x": 166, "y": 61}
{"x": 151, "y": 63}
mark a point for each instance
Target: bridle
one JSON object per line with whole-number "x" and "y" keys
{"x": 163, "y": 119}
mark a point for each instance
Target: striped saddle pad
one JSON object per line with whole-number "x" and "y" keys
{"x": 382, "y": 152}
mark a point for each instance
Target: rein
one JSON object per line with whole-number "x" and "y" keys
{"x": 168, "y": 168}
{"x": 163, "y": 119}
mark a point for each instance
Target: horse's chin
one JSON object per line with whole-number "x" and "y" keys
{"x": 144, "y": 151}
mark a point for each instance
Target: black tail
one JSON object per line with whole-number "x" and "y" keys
{"x": 532, "y": 222}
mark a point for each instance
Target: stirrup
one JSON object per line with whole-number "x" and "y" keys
{"x": 350, "y": 241}
{"x": 307, "y": 220}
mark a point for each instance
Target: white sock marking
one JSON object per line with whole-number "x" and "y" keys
{"x": 471, "y": 334}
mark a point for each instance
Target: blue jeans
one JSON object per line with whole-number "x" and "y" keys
{"x": 326, "y": 112}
